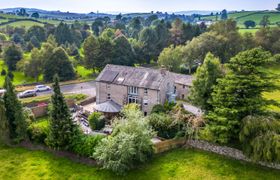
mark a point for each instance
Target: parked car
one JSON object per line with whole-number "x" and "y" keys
{"x": 41, "y": 88}
{"x": 28, "y": 93}
{"x": 2, "y": 92}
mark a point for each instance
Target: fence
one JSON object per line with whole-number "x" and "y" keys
{"x": 167, "y": 145}
{"x": 41, "y": 111}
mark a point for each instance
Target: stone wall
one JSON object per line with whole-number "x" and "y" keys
{"x": 167, "y": 145}
{"x": 226, "y": 151}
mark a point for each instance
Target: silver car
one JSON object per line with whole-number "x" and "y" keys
{"x": 28, "y": 93}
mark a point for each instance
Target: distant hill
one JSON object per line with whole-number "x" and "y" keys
{"x": 196, "y": 12}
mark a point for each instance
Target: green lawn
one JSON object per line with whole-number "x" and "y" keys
{"x": 274, "y": 69}
{"x": 19, "y": 77}
{"x": 83, "y": 72}
{"x": 19, "y": 163}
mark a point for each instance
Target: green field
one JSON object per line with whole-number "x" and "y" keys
{"x": 256, "y": 16}
{"x": 275, "y": 69}
{"x": 26, "y": 24}
{"x": 19, "y": 77}
{"x": 19, "y": 163}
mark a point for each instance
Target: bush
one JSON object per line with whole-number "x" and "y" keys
{"x": 96, "y": 121}
{"x": 129, "y": 145}
{"x": 28, "y": 115}
{"x": 158, "y": 109}
{"x": 3, "y": 72}
{"x": 164, "y": 125}
{"x": 38, "y": 131}
{"x": 260, "y": 136}
{"x": 84, "y": 145}
{"x": 167, "y": 107}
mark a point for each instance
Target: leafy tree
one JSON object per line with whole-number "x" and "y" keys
{"x": 249, "y": 24}
{"x": 260, "y": 137}
{"x": 177, "y": 32}
{"x": 22, "y": 12}
{"x": 12, "y": 55}
{"x": 224, "y": 15}
{"x": 265, "y": 21}
{"x": 4, "y": 130}
{"x": 63, "y": 131}
{"x": 37, "y": 32}
{"x": 239, "y": 94}
{"x": 163, "y": 124}
{"x": 229, "y": 30}
{"x": 278, "y": 7}
{"x": 97, "y": 26}
{"x": 96, "y": 121}
{"x": 16, "y": 123}
{"x": 59, "y": 64}
{"x": 34, "y": 66}
{"x": 129, "y": 144}
{"x": 248, "y": 41}
{"x": 35, "y": 15}
{"x": 150, "y": 19}
{"x": 205, "y": 79}
{"x": 123, "y": 52}
{"x": 17, "y": 38}
{"x": 195, "y": 51}
{"x": 171, "y": 58}
{"x": 63, "y": 34}
{"x": 269, "y": 39}
{"x": 134, "y": 27}
{"x": 148, "y": 37}
{"x": 35, "y": 42}
{"x": 91, "y": 52}
{"x": 163, "y": 35}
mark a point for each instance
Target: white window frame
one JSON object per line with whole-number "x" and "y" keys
{"x": 133, "y": 90}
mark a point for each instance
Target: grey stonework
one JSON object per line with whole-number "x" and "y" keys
{"x": 226, "y": 151}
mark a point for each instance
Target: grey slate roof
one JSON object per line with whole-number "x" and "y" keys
{"x": 108, "y": 107}
{"x": 182, "y": 79}
{"x": 132, "y": 76}
{"x": 140, "y": 76}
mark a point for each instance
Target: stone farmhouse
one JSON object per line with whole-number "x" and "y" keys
{"x": 117, "y": 86}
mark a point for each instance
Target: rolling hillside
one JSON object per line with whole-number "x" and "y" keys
{"x": 256, "y": 16}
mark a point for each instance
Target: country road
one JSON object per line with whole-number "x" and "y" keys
{"x": 87, "y": 88}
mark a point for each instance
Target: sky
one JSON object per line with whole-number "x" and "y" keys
{"x": 86, "y": 6}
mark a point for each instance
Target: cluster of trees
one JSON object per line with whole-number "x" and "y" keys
{"x": 233, "y": 101}
{"x": 223, "y": 40}
{"x": 125, "y": 42}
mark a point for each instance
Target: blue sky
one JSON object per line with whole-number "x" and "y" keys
{"x": 141, "y": 5}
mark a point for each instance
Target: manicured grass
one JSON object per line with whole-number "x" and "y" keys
{"x": 275, "y": 95}
{"x": 252, "y": 31}
{"x": 19, "y": 163}
{"x": 84, "y": 73}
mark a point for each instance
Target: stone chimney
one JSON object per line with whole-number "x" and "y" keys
{"x": 163, "y": 71}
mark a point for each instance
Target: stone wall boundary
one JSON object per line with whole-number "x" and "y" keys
{"x": 226, "y": 151}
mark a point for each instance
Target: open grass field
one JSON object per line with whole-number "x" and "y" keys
{"x": 19, "y": 163}
{"x": 19, "y": 77}
{"x": 275, "y": 69}
{"x": 256, "y": 16}
{"x": 27, "y": 24}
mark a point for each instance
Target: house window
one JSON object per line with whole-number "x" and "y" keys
{"x": 133, "y": 90}
{"x": 183, "y": 96}
{"x": 145, "y": 113}
{"x": 108, "y": 86}
{"x": 132, "y": 99}
{"x": 146, "y": 91}
{"x": 108, "y": 96}
{"x": 184, "y": 87}
{"x": 145, "y": 102}
{"x": 175, "y": 89}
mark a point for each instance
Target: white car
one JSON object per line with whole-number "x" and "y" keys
{"x": 41, "y": 88}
